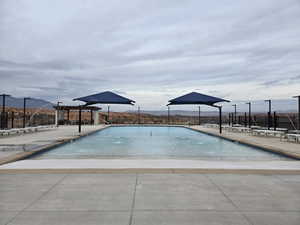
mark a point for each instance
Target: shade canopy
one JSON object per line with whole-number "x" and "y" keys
{"x": 195, "y": 98}
{"x": 106, "y": 97}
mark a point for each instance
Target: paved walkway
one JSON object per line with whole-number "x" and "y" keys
{"x": 12, "y": 145}
{"x": 152, "y": 199}
{"x": 267, "y": 142}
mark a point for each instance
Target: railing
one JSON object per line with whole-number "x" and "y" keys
{"x": 10, "y": 120}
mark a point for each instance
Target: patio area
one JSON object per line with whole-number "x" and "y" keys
{"x": 122, "y": 199}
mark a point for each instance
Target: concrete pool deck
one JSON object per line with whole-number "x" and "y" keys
{"x": 149, "y": 199}
{"x": 17, "y": 147}
{"x": 273, "y": 144}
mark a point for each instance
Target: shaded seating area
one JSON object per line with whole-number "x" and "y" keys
{"x": 195, "y": 98}
{"x": 63, "y": 114}
{"x": 106, "y": 97}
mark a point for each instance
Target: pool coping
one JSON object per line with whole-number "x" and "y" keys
{"x": 149, "y": 166}
{"x": 26, "y": 155}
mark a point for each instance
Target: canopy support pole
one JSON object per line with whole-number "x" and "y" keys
{"x": 79, "y": 120}
{"x": 91, "y": 116}
{"x": 168, "y": 115}
{"x": 220, "y": 119}
{"x": 199, "y": 116}
{"x": 107, "y": 113}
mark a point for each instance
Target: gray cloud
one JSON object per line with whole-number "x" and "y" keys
{"x": 150, "y": 50}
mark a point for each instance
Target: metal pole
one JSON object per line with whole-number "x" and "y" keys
{"x": 3, "y": 103}
{"x": 245, "y": 120}
{"x": 139, "y": 115}
{"x": 68, "y": 115}
{"x": 249, "y": 116}
{"x": 298, "y": 110}
{"x": 57, "y": 109}
{"x": 79, "y": 120}
{"x": 234, "y": 113}
{"x": 24, "y": 111}
{"x": 199, "y": 115}
{"x": 275, "y": 120}
{"x": 91, "y": 117}
{"x": 220, "y": 119}
{"x": 12, "y": 119}
{"x": 3, "y": 110}
{"x": 168, "y": 114}
{"x": 108, "y": 113}
{"x": 269, "y": 113}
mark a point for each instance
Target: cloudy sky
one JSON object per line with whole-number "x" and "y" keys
{"x": 150, "y": 51}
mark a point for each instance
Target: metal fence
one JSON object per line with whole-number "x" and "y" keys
{"x": 10, "y": 120}
{"x": 277, "y": 120}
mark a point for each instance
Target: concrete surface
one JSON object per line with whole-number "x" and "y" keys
{"x": 11, "y": 146}
{"x": 272, "y": 143}
{"x": 136, "y": 165}
{"x": 152, "y": 199}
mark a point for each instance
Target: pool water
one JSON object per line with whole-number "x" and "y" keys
{"x": 156, "y": 142}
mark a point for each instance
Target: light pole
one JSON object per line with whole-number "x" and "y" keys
{"x": 3, "y": 110}
{"x": 24, "y": 111}
{"x": 249, "y": 114}
{"x": 269, "y": 113}
{"x": 234, "y": 113}
{"x": 57, "y": 110}
{"x": 298, "y": 110}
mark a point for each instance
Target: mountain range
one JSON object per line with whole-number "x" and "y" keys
{"x": 30, "y": 103}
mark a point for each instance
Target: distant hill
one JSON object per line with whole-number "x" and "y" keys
{"x": 31, "y": 103}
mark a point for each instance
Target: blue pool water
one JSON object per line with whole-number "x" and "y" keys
{"x": 156, "y": 142}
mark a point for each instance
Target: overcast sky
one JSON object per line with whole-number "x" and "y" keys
{"x": 150, "y": 51}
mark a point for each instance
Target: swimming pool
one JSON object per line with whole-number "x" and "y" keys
{"x": 156, "y": 142}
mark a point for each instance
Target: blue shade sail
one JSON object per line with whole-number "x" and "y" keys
{"x": 106, "y": 97}
{"x": 196, "y": 99}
